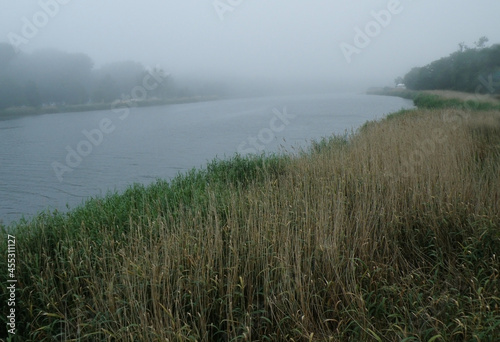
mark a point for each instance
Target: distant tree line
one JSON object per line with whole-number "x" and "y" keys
{"x": 48, "y": 77}
{"x": 468, "y": 69}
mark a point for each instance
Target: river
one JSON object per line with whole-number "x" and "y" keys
{"x": 56, "y": 161}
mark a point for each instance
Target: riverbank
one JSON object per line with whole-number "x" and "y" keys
{"x": 388, "y": 234}
{"x": 17, "y": 112}
{"x": 434, "y": 99}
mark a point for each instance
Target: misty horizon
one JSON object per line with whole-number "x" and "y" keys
{"x": 256, "y": 47}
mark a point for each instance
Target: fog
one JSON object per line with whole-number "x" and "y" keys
{"x": 271, "y": 46}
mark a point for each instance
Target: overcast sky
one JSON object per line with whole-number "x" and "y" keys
{"x": 285, "y": 40}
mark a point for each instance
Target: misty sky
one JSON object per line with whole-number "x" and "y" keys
{"x": 291, "y": 41}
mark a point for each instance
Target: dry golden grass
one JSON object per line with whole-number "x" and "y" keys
{"x": 390, "y": 236}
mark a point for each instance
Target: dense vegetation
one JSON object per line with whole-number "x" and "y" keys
{"x": 48, "y": 77}
{"x": 468, "y": 69}
{"x": 425, "y": 100}
{"x": 390, "y": 234}
{"x": 441, "y": 99}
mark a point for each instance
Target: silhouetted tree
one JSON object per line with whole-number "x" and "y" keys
{"x": 463, "y": 70}
{"x": 50, "y": 76}
{"x": 481, "y": 43}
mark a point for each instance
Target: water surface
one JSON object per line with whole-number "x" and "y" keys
{"x": 158, "y": 142}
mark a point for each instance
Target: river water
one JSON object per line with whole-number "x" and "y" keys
{"x": 56, "y": 161}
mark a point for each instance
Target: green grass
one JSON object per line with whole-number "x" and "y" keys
{"x": 333, "y": 244}
{"x": 139, "y": 201}
{"x": 425, "y": 100}
{"x": 431, "y": 101}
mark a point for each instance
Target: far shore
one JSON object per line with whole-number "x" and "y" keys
{"x": 18, "y": 112}
{"x": 446, "y": 94}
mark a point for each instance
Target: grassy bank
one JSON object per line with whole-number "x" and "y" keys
{"x": 440, "y": 99}
{"x": 15, "y": 112}
{"x": 390, "y": 235}
{"x": 434, "y": 100}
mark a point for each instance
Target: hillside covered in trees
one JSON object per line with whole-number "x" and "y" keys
{"x": 469, "y": 69}
{"x": 51, "y": 77}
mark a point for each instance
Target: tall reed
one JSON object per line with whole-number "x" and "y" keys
{"x": 390, "y": 234}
